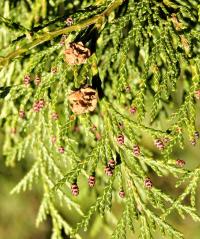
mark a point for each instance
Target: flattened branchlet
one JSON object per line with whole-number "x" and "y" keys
{"x": 101, "y": 100}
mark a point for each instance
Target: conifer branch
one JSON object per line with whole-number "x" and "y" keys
{"x": 102, "y": 113}
{"x": 50, "y": 35}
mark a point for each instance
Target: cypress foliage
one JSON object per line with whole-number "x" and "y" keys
{"x": 83, "y": 86}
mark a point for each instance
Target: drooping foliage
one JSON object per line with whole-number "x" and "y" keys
{"x": 142, "y": 58}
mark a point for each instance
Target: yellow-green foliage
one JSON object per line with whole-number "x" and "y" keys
{"x": 145, "y": 57}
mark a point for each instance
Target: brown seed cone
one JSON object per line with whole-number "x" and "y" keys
{"x": 77, "y": 54}
{"x": 83, "y": 100}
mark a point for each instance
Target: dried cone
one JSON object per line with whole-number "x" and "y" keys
{"x": 180, "y": 163}
{"x": 121, "y": 194}
{"x": 83, "y": 100}
{"x": 77, "y": 54}
{"x": 91, "y": 181}
{"x": 108, "y": 171}
{"x": 74, "y": 189}
{"x": 148, "y": 183}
